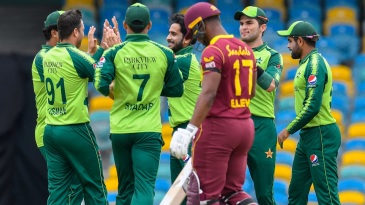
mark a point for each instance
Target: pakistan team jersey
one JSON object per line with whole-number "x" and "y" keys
{"x": 262, "y": 104}
{"x": 67, "y": 71}
{"x": 40, "y": 93}
{"x": 181, "y": 109}
{"x": 236, "y": 63}
{"x": 142, "y": 70}
{"x": 313, "y": 93}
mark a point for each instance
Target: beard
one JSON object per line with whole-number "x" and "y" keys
{"x": 177, "y": 46}
{"x": 296, "y": 52}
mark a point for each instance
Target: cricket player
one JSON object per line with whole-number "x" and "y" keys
{"x": 68, "y": 138}
{"x": 181, "y": 109}
{"x": 142, "y": 71}
{"x": 315, "y": 159}
{"x": 51, "y": 36}
{"x": 262, "y": 155}
{"x": 226, "y": 131}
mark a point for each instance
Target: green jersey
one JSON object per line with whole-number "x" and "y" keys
{"x": 142, "y": 70}
{"x": 262, "y": 105}
{"x": 67, "y": 71}
{"x": 312, "y": 93}
{"x": 40, "y": 93}
{"x": 181, "y": 109}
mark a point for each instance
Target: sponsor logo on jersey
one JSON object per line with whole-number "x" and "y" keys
{"x": 312, "y": 80}
{"x": 314, "y": 159}
{"x": 102, "y": 60}
{"x": 210, "y": 65}
{"x": 209, "y": 59}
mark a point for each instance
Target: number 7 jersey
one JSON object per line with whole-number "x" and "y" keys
{"x": 235, "y": 61}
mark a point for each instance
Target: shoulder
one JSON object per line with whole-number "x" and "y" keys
{"x": 163, "y": 48}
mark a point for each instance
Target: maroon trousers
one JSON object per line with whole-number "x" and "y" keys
{"x": 219, "y": 157}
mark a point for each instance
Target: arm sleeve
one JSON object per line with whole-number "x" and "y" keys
{"x": 316, "y": 78}
{"x": 83, "y": 63}
{"x": 273, "y": 71}
{"x": 38, "y": 62}
{"x": 173, "y": 86}
{"x": 99, "y": 52}
{"x": 105, "y": 72}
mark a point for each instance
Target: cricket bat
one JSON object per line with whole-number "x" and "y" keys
{"x": 177, "y": 192}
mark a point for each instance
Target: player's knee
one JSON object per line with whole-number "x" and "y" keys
{"x": 233, "y": 198}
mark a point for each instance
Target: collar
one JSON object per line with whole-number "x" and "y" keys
{"x": 307, "y": 56}
{"x": 187, "y": 49}
{"x": 65, "y": 45}
{"x": 216, "y": 38}
{"x": 137, "y": 37}
{"x": 44, "y": 46}
{"x": 260, "y": 47}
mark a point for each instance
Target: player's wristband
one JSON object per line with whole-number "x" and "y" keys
{"x": 264, "y": 81}
{"x": 260, "y": 71}
{"x": 192, "y": 128}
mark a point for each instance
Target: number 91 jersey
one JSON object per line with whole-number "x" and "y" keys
{"x": 235, "y": 61}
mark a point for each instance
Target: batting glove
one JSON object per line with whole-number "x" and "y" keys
{"x": 181, "y": 140}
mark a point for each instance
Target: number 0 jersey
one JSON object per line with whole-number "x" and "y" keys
{"x": 142, "y": 70}
{"x": 313, "y": 93}
{"x": 67, "y": 71}
{"x": 236, "y": 62}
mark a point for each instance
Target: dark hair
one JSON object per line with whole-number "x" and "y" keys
{"x": 309, "y": 41}
{"x": 137, "y": 26}
{"x": 179, "y": 19}
{"x": 47, "y": 32}
{"x": 67, "y": 22}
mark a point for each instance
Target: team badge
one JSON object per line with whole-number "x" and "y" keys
{"x": 312, "y": 80}
{"x": 314, "y": 160}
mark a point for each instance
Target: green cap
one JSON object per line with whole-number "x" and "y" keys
{"x": 300, "y": 29}
{"x": 252, "y": 12}
{"x": 52, "y": 18}
{"x": 137, "y": 16}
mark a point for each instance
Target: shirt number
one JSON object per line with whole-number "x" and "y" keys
{"x": 237, "y": 82}
{"x": 51, "y": 90}
{"x": 145, "y": 78}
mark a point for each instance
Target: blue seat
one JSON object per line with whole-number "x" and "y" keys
{"x": 353, "y": 184}
{"x": 359, "y": 103}
{"x": 162, "y": 184}
{"x": 359, "y": 60}
{"x": 281, "y": 198}
{"x": 159, "y": 195}
{"x": 112, "y": 196}
{"x": 164, "y": 171}
{"x": 283, "y": 157}
{"x": 317, "y": 23}
{"x": 183, "y": 4}
{"x": 360, "y": 88}
{"x": 352, "y": 171}
{"x": 339, "y": 88}
{"x": 286, "y": 104}
{"x": 273, "y": 14}
{"x": 348, "y": 45}
{"x": 285, "y": 116}
{"x": 312, "y": 197}
{"x": 290, "y": 74}
{"x": 342, "y": 28}
{"x": 281, "y": 45}
{"x": 305, "y": 12}
{"x": 99, "y": 121}
{"x": 353, "y": 4}
{"x": 354, "y": 144}
{"x": 358, "y": 116}
{"x": 304, "y": 2}
{"x": 160, "y": 14}
{"x": 108, "y": 11}
{"x": 281, "y": 186}
{"x": 341, "y": 103}
{"x": 326, "y": 42}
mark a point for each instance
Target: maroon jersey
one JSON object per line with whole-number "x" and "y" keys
{"x": 236, "y": 63}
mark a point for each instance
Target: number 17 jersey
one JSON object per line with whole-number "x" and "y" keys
{"x": 235, "y": 61}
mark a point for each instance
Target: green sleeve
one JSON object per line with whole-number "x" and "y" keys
{"x": 99, "y": 52}
{"x": 313, "y": 96}
{"x": 173, "y": 86}
{"x": 183, "y": 62}
{"x": 39, "y": 65}
{"x": 275, "y": 68}
{"x": 105, "y": 70}
{"x": 83, "y": 63}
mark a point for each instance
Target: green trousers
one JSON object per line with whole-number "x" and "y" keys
{"x": 72, "y": 150}
{"x": 315, "y": 161}
{"x": 76, "y": 193}
{"x": 136, "y": 157}
{"x": 261, "y": 159}
{"x": 176, "y": 165}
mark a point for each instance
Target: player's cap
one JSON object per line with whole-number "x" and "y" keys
{"x": 196, "y": 13}
{"x": 252, "y": 12}
{"x": 300, "y": 29}
{"x": 137, "y": 16}
{"x": 52, "y": 18}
